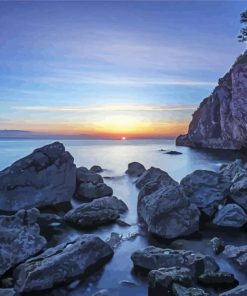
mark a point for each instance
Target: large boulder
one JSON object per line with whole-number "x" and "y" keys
{"x": 206, "y": 189}
{"x": 238, "y": 291}
{"x": 230, "y": 215}
{"x": 45, "y": 177}
{"x": 221, "y": 121}
{"x": 154, "y": 174}
{"x": 166, "y": 211}
{"x": 83, "y": 175}
{"x": 152, "y": 258}
{"x": 19, "y": 238}
{"x": 62, "y": 263}
{"x": 135, "y": 169}
{"x": 89, "y": 191}
{"x": 238, "y": 254}
{"x": 100, "y": 211}
{"x": 96, "y": 169}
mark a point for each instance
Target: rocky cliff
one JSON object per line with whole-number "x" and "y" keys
{"x": 220, "y": 122}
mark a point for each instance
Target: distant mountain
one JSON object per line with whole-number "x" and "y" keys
{"x": 220, "y": 122}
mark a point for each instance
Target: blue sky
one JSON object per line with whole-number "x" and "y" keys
{"x": 112, "y": 66}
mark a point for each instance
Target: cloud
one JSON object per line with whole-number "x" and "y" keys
{"x": 106, "y": 108}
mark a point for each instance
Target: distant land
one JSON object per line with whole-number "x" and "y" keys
{"x": 25, "y": 134}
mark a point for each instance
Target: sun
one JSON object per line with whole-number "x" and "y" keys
{"x": 123, "y": 138}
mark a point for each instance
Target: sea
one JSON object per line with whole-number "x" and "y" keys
{"x": 118, "y": 276}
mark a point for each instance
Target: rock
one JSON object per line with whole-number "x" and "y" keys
{"x": 152, "y": 258}
{"x": 166, "y": 211}
{"x": 83, "y": 175}
{"x": 165, "y": 277}
{"x": 206, "y": 189}
{"x": 62, "y": 263}
{"x": 128, "y": 284}
{"x": 237, "y": 254}
{"x": 115, "y": 240}
{"x": 179, "y": 290}
{"x": 135, "y": 169}
{"x": 230, "y": 215}
{"x": 89, "y": 191}
{"x": 218, "y": 279}
{"x": 20, "y": 238}
{"x": 172, "y": 152}
{"x": 8, "y": 292}
{"x": 233, "y": 169}
{"x": 221, "y": 121}
{"x": 7, "y": 282}
{"x": 45, "y": 177}
{"x": 96, "y": 169}
{"x": 238, "y": 291}
{"x": 238, "y": 190}
{"x": 122, "y": 223}
{"x": 100, "y": 211}
{"x": 218, "y": 245}
{"x": 103, "y": 292}
{"x": 154, "y": 174}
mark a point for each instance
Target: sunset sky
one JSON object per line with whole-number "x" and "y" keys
{"x": 112, "y": 68}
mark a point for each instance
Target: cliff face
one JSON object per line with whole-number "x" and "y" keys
{"x": 221, "y": 119}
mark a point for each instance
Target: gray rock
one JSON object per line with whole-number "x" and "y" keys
{"x": 166, "y": 211}
{"x": 233, "y": 169}
{"x": 61, "y": 263}
{"x": 238, "y": 254}
{"x": 206, "y": 189}
{"x": 20, "y": 238}
{"x": 100, "y": 211}
{"x": 230, "y": 215}
{"x": 103, "y": 292}
{"x": 89, "y": 191}
{"x": 96, "y": 169}
{"x": 173, "y": 152}
{"x": 218, "y": 279}
{"x": 154, "y": 174}
{"x": 217, "y": 244}
{"x": 83, "y": 175}
{"x": 221, "y": 121}
{"x": 8, "y": 292}
{"x": 179, "y": 290}
{"x": 238, "y": 291}
{"x": 165, "y": 277}
{"x": 152, "y": 258}
{"x": 135, "y": 169}
{"x": 45, "y": 177}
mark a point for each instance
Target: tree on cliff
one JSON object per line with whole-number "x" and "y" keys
{"x": 242, "y": 37}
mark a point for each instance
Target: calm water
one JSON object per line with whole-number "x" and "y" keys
{"x": 114, "y": 157}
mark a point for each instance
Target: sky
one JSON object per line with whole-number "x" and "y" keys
{"x": 112, "y": 68}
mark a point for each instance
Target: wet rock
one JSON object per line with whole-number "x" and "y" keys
{"x": 233, "y": 169}
{"x": 152, "y": 258}
{"x": 45, "y": 177}
{"x": 206, "y": 189}
{"x": 173, "y": 152}
{"x": 166, "y": 211}
{"x": 135, "y": 169}
{"x": 122, "y": 223}
{"x": 127, "y": 283}
{"x": 103, "y": 292}
{"x": 238, "y": 291}
{"x": 115, "y": 240}
{"x": 163, "y": 278}
{"x": 20, "y": 238}
{"x": 83, "y": 175}
{"x": 154, "y": 174}
{"x": 62, "y": 263}
{"x": 238, "y": 254}
{"x": 218, "y": 279}
{"x": 100, "y": 211}
{"x": 89, "y": 191}
{"x": 8, "y": 292}
{"x": 96, "y": 169}
{"x": 179, "y": 290}
{"x": 217, "y": 244}
{"x": 230, "y": 215}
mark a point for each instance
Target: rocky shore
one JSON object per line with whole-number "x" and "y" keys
{"x": 45, "y": 188}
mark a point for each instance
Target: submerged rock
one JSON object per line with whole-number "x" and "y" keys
{"x": 100, "y": 211}
{"x": 62, "y": 263}
{"x": 206, "y": 189}
{"x": 19, "y": 238}
{"x": 238, "y": 291}
{"x": 89, "y": 191}
{"x": 230, "y": 215}
{"x": 221, "y": 121}
{"x": 166, "y": 211}
{"x": 218, "y": 279}
{"x": 135, "y": 169}
{"x": 179, "y": 290}
{"x": 96, "y": 169}
{"x": 45, "y": 177}
{"x": 238, "y": 254}
{"x": 173, "y": 152}
{"x": 152, "y": 258}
